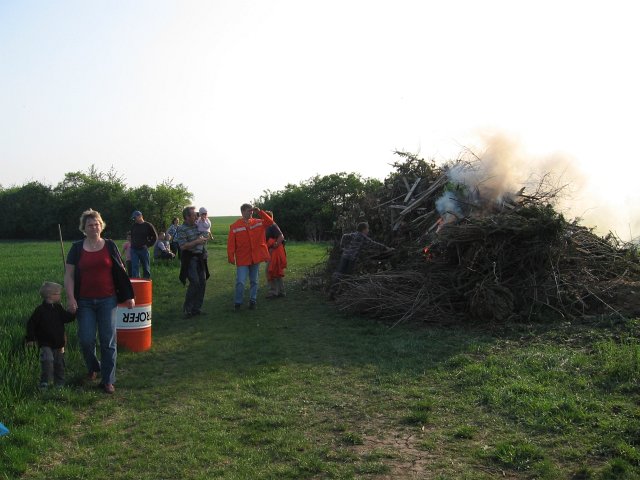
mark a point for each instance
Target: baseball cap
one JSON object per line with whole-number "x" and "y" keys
{"x": 136, "y": 213}
{"x": 202, "y": 210}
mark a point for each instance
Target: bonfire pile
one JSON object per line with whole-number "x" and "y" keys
{"x": 465, "y": 252}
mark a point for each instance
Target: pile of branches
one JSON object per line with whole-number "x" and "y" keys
{"x": 486, "y": 262}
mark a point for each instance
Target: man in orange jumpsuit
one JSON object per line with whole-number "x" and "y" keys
{"x": 246, "y": 249}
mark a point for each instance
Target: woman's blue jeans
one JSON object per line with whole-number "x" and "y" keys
{"x": 98, "y": 315}
{"x": 242, "y": 273}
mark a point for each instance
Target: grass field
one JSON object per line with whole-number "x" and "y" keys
{"x": 296, "y": 389}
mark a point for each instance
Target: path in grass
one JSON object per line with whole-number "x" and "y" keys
{"x": 291, "y": 390}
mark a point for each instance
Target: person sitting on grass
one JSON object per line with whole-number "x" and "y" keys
{"x": 46, "y": 328}
{"x": 161, "y": 250}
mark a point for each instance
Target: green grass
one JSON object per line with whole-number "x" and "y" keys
{"x": 297, "y": 390}
{"x": 220, "y": 226}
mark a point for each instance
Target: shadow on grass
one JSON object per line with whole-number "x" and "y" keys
{"x": 302, "y": 330}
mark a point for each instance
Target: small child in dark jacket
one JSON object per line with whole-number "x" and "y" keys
{"x": 46, "y": 327}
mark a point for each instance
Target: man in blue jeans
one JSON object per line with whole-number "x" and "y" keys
{"x": 246, "y": 249}
{"x": 143, "y": 236}
{"x": 192, "y": 263}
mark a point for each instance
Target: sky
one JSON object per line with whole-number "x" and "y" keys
{"x": 233, "y": 98}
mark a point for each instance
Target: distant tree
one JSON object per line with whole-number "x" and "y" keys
{"x": 100, "y": 191}
{"x": 162, "y": 203}
{"x": 28, "y": 212}
{"x": 412, "y": 167}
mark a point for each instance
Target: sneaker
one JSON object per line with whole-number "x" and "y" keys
{"x": 43, "y": 385}
{"x": 109, "y": 388}
{"x": 91, "y": 376}
{"x": 253, "y": 306}
{"x": 198, "y": 312}
{"x": 188, "y": 314}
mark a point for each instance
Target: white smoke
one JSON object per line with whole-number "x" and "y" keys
{"x": 493, "y": 170}
{"x": 449, "y": 203}
{"x": 494, "y": 167}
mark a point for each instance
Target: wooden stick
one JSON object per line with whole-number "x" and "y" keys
{"x": 62, "y": 251}
{"x": 406, "y": 199}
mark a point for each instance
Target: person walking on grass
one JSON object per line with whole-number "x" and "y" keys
{"x": 95, "y": 281}
{"x": 247, "y": 249}
{"x": 46, "y": 329}
{"x": 192, "y": 263}
{"x": 143, "y": 236}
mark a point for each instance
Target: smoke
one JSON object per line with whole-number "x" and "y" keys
{"x": 449, "y": 203}
{"x": 610, "y": 210}
{"x": 495, "y": 167}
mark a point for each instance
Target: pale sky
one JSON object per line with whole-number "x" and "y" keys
{"x": 234, "y": 97}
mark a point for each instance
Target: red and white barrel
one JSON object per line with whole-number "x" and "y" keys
{"x": 133, "y": 325}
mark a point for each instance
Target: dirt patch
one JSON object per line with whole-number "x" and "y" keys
{"x": 402, "y": 455}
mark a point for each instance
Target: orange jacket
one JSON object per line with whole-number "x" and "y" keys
{"x": 246, "y": 243}
{"x": 278, "y": 261}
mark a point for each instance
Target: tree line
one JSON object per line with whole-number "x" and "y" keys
{"x": 34, "y": 210}
{"x": 324, "y": 207}
{"x": 315, "y": 209}
{"x": 318, "y": 209}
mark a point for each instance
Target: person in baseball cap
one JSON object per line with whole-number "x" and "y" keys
{"x": 143, "y": 236}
